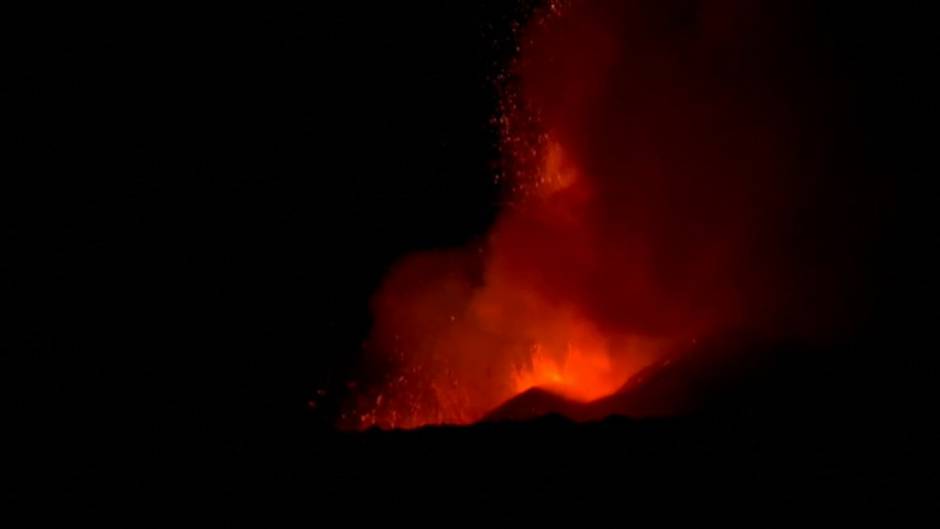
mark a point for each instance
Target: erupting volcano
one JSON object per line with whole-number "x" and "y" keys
{"x": 667, "y": 181}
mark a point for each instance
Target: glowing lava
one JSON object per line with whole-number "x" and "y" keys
{"x": 660, "y": 186}
{"x": 579, "y": 375}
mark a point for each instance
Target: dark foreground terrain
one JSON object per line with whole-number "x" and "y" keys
{"x": 776, "y": 444}
{"x": 678, "y": 467}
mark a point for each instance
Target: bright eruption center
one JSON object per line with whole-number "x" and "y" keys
{"x": 581, "y": 374}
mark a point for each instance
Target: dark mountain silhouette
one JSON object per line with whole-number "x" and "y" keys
{"x": 729, "y": 375}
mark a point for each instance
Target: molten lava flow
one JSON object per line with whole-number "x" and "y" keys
{"x": 661, "y": 187}
{"x": 580, "y": 375}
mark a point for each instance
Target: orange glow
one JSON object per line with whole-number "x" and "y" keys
{"x": 556, "y": 172}
{"x": 580, "y": 375}
{"x": 657, "y": 189}
{"x": 463, "y": 331}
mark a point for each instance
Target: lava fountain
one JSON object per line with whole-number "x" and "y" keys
{"x": 661, "y": 188}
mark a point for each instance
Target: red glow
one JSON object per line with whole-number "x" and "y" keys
{"x": 580, "y": 374}
{"x": 653, "y": 179}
